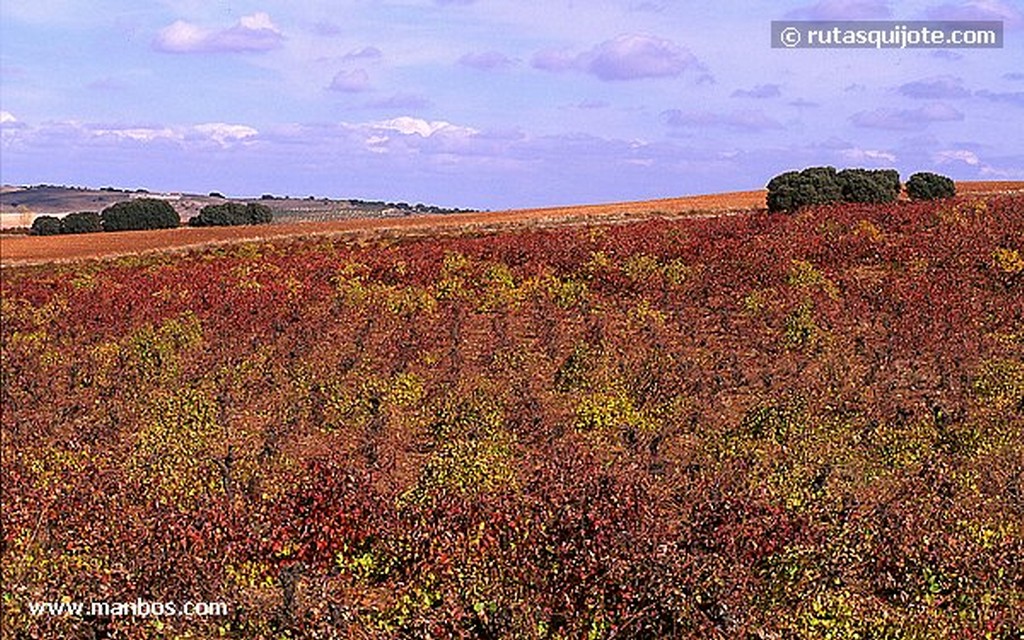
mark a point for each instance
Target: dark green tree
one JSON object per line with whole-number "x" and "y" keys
{"x": 259, "y": 213}
{"x": 232, "y": 214}
{"x": 792, "y": 190}
{"x": 892, "y": 178}
{"x": 864, "y": 185}
{"x": 142, "y": 213}
{"x": 82, "y": 222}
{"x": 930, "y": 186}
{"x": 46, "y": 226}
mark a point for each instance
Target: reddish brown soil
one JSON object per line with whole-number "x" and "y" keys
{"x": 22, "y": 249}
{"x": 990, "y": 186}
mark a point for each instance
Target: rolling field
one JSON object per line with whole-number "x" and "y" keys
{"x": 678, "y": 425}
{"x": 28, "y": 250}
{"x": 18, "y": 249}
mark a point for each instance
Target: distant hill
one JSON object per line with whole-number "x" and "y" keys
{"x": 19, "y": 205}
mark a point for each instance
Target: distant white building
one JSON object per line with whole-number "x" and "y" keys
{"x": 169, "y": 197}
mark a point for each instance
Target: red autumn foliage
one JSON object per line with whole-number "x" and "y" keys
{"x": 747, "y": 426}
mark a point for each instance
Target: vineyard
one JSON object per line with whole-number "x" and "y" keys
{"x": 750, "y": 426}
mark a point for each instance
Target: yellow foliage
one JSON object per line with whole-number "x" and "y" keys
{"x": 498, "y": 289}
{"x": 867, "y": 229}
{"x": 1001, "y": 381}
{"x": 406, "y": 389}
{"x": 677, "y": 272}
{"x": 175, "y": 447}
{"x": 641, "y": 267}
{"x": 566, "y": 293}
{"x": 474, "y": 452}
{"x": 755, "y": 302}
{"x": 599, "y": 261}
{"x": 643, "y": 313}
{"x": 1007, "y": 260}
{"x": 604, "y": 412}
{"x": 804, "y": 275}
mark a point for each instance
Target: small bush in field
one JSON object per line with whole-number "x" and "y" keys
{"x": 930, "y": 186}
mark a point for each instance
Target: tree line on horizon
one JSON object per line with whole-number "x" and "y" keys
{"x": 150, "y": 213}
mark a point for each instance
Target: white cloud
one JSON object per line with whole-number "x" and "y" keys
{"x": 258, "y": 21}
{"x": 9, "y": 127}
{"x": 957, "y": 155}
{"x": 377, "y": 144}
{"x": 253, "y": 33}
{"x": 137, "y": 134}
{"x": 415, "y": 126}
{"x": 856, "y": 154}
{"x": 223, "y": 133}
{"x": 181, "y": 37}
{"x": 632, "y": 56}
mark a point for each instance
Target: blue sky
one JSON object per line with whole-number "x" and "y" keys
{"x": 489, "y": 103}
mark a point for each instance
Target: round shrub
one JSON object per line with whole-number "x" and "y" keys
{"x": 794, "y": 189}
{"x": 890, "y": 177}
{"x": 143, "y": 213}
{"x": 863, "y": 185}
{"x": 930, "y": 186}
{"x": 46, "y": 226}
{"x": 232, "y": 214}
{"x": 83, "y": 222}
{"x": 259, "y": 213}
{"x": 781, "y": 191}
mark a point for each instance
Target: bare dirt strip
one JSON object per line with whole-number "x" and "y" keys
{"x": 24, "y": 250}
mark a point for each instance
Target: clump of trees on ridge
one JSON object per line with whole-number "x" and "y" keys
{"x": 792, "y": 190}
{"x": 131, "y": 215}
{"x": 232, "y": 214}
{"x": 140, "y": 214}
{"x": 149, "y": 213}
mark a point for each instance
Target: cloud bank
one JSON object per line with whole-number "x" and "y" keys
{"x": 626, "y": 57}
{"x": 905, "y": 119}
{"x": 255, "y": 33}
